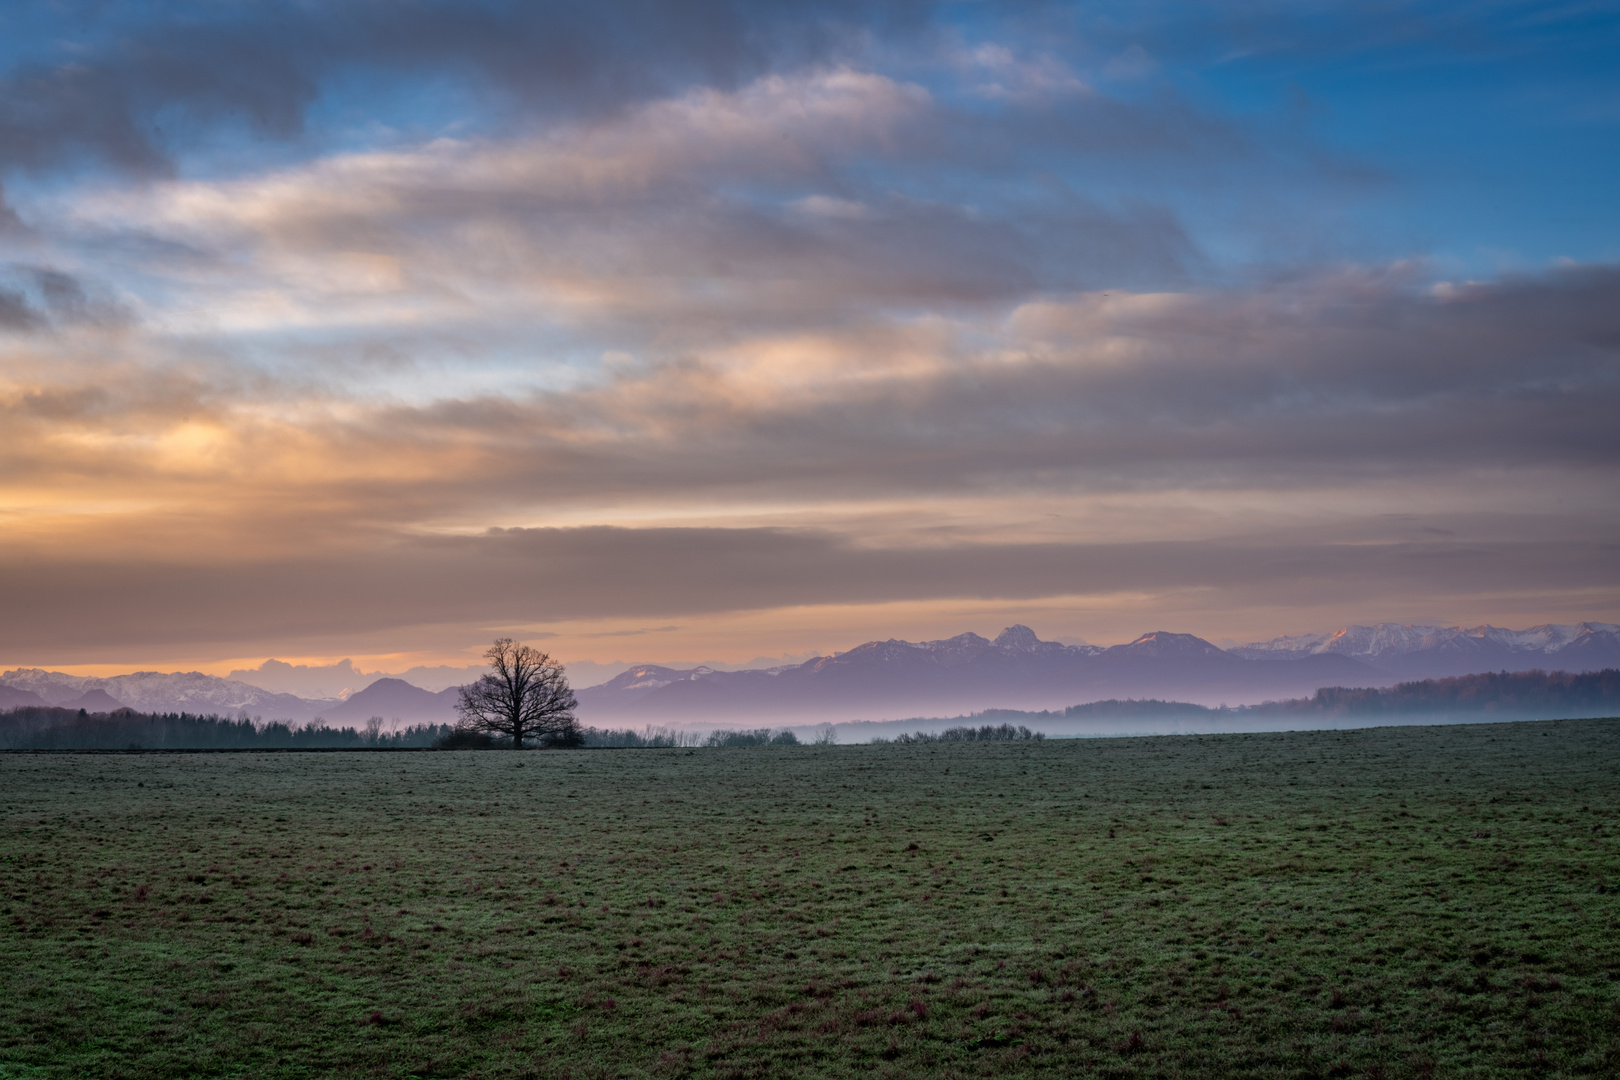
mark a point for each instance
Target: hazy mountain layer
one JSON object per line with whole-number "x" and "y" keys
{"x": 321, "y": 682}
{"x": 396, "y": 699}
{"x": 155, "y": 691}
{"x": 967, "y": 672}
{"x": 1434, "y": 651}
{"x": 893, "y": 678}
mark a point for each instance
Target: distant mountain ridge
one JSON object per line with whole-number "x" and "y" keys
{"x": 1487, "y": 696}
{"x": 895, "y": 678}
{"x": 13, "y": 698}
{"x": 1015, "y": 670}
{"x": 156, "y": 691}
{"x": 194, "y": 692}
{"x": 1417, "y": 651}
{"x": 394, "y": 699}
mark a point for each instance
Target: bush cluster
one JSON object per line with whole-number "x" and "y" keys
{"x": 756, "y": 737}
{"x": 985, "y": 733}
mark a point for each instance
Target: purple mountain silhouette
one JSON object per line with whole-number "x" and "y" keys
{"x": 12, "y": 698}
{"x": 94, "y": 701}
{"x": 962, "y": 674}
{"x": 1428, "y": 652}
{"x": 395, "y": 699}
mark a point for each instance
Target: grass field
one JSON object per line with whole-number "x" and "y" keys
{"x": 1386, "y": 903}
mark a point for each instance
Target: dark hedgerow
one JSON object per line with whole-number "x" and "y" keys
{"x": 465, "y": 739}
{"x": 46, "y": 728}
{"x": 756, "y": 737}
{"x": 983, "y": 733}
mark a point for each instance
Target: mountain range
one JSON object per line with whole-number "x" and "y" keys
{"x": 894, "y": 678}
{"x": 964, "y": 673}
{"x": 395, "y": 699}
{"x": 151, "y": 691}
{"x": 194, "y": 692}
{"x": 1017, "y": 670}
{"x": 1426, "y": 652}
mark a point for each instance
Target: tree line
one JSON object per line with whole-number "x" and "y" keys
{"x": 42, "y": 727}
{"x": 1516, "y": 693}
{"x": 1509, "y": 693}
{"x": 982, "y": 733}
{"x": 36, "y": 727}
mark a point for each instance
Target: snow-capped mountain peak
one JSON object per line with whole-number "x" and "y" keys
{"x": 157, "y": 691}
{"x": 1417, "y": 649}
{"x": 1548, "y": 637}
{"x": 1018, "y": 638}
{"x": 1385, "y": 637}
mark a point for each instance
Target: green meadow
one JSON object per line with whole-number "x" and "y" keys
{"x": 1396, "y": 902}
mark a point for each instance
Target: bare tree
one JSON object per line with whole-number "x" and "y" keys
{"x": 525, "y": 694}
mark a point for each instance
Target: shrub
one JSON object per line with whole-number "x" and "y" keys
{"x": 986, "y": 733}
{"x": 756, "y": 737}
{"x": 647, "y": 737}
{"x": 465, "y": 739}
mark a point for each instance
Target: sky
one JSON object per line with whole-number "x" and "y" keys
{"x": 694, "y": 331}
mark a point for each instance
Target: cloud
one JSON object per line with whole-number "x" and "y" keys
{"x": 165, "y": 505}
{"x": 40, "y": 297}
{"x": 1354, "y": 378}
{"x": 130, "y": 92}
{"x": 638, "y": 632}
{"x": 515, "y": 578}
{"x": 670, "y": 222}
{"x": 1134, "y": 62}
{"x": 683, "y": 311}
{"x": 1350, "y": 378}
{"x": 16, "y": 313}
{"x": 1013, "y": 78}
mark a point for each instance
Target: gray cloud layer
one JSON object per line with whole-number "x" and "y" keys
{"x": 516, "y": 577}
{"x": 115, "y": 78}
{"x": 1344, "y": 379}
{"x": 1339, "y": 380}
{"x": 1353, "y": 383}
{"x": 264, "y": 63}
{"x": 941, "y": 314}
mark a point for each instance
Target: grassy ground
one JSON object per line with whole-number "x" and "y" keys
{"x": 1389, "y": 903}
